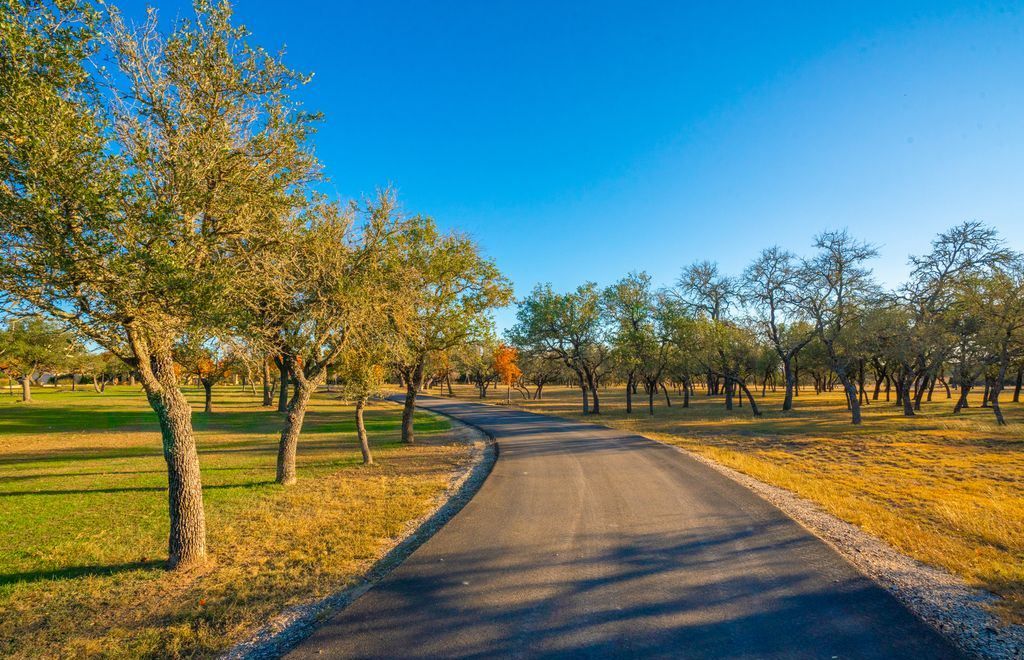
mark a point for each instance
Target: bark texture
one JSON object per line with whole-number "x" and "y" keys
{"x": 364, "y": 442}
{"x": 208, "y": 392}
{"x": 268, "y": 392}
{"x": 412, "y": 386}
{"x": 186, "y": 544}
{"x": 288, "y": 446}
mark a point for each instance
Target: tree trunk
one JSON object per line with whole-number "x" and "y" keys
{"x": 288, "y": 446}
{"x": 592, "y": 384}
{"x": 854, "y": 399}
{"x": 412, "y": 386}
{"x": 961, "y": 402}
{"x": 787, "y": 370}
{"x": 651, "y": 390}
{"x": 919, "y": 393}
{"x": 26, "y": 389}
{"x": 408, "y": 412}
{"x": 750, "y": 398}
{"x": 629, "y": 394}
{"x": 208, "y": 390}
{"x": 364, "y": 443}
{"x": 903, "y": 396}
{"x": 728, "y": 395}
{"x": 186, "y": 544}
{"x": 1017, "y": 385}
{"x": 997, "y": 388}
{"x": 686, "y": 394}
{"x": 583, "y": 389}
{"x": 268, "y": 392}
{"x": 668, "y": 401}
{"x": 994, "y": 398}
{"x": 282, "y": 394}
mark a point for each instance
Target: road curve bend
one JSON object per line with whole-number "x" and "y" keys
{"x": 590, "y": 542}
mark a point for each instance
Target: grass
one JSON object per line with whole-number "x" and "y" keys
{"x": 83, "y": 519}
{"x": 946, "y": 489}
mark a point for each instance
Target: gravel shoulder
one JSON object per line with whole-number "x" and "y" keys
{"x": 946, "y": 602}
{"x": 286, "y": 630}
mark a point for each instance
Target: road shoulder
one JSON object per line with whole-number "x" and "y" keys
{"x": 289, "y": 628}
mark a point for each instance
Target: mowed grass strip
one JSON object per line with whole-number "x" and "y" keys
{"x": 945, "y": 489}
{"x": 83, "y": 518}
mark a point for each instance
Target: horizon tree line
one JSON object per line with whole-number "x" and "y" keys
{"x": 958, "y": 319}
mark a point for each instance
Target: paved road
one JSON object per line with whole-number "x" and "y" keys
{"x": 588, "y": 542}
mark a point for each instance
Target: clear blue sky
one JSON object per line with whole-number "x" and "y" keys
{"x": 582, "y": 140}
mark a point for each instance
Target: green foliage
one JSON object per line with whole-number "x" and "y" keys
{"x": 30, "y": 346}
{"x": 452, "y": 288}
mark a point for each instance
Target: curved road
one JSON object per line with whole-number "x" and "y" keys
{"x": 589, "y": 542}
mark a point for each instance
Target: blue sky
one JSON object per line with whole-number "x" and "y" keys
{"x": 579, "y": 141}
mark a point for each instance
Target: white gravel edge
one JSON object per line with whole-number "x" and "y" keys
{"x": 285, "y": 630}
{"x": 942, "y": 600}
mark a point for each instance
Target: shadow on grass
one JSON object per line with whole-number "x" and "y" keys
{"x": 44, "y": 419}
{"x": 133, "y": 489}
{"x": 77, "y": 571}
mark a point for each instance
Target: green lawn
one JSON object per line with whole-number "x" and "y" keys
{"x": 83, "y": 518}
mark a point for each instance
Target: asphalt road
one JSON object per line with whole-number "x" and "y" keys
{"x": 588, "y": 542}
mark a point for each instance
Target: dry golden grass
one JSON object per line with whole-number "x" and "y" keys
{"x": 83, "y": 505}
{"x": 946, "y": 489}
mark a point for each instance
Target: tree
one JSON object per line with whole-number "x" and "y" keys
{"x": 706, "y": 294}
{"x": 629, "y": 304}
{"x": 102, "y": 368}
{"x": 769, "y": 288}
{"x": 570, "y": 326}
{"x": 706, "y": 291}
{"x": 361, "y": 368}
{"x": 1000, "y": 305}
{"x": 885, "y": 335}
{"x": 207, "y": 359}
{"x": 505, "y": 366}
{"x": 477, "y": 361}
{"x": 930, "y": 301}
{"x": 452, "y": 288}
{"x": 538, "y": 369}
{"x": 33, "y": 345}
{"x": 681, "y": 332}
{"x": 127, "y": 216}
{"x": 656, "y": 350}
{"x": 330, "y": 278}
{"x": 834, "y": 288}
{"x": 730, "y": 352}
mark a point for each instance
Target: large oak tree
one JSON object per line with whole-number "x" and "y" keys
{"x": 124, "y": 207}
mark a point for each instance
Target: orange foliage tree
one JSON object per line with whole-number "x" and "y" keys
{"x": 505, "y": 365}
